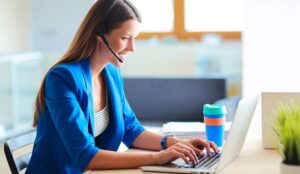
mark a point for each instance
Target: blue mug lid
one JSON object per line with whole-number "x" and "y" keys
{"x": 214, "y": 109}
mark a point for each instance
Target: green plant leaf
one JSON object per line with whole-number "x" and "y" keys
{"x": 287, "y": 128}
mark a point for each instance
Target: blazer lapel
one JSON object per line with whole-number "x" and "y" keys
{"x": 115, "y": 130}
{"x": 86, "y": 68}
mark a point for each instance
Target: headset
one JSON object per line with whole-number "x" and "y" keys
{"x": 101, "y": 29}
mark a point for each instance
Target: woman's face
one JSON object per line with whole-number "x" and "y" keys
{"x": 121, "y": 40}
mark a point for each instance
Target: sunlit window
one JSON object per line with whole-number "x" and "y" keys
{"x": 157, "y": 15}
{"x": 214, "y": 15}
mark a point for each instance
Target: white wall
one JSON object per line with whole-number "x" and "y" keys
{"x": 54, "y": 23}
{"x": 39, "y": 25}
{"x": 271, "y": 43}
{"x": 271, "y": 46}
{"x": 15, "y": 25}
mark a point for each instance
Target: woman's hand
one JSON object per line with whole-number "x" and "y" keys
{"x": 187, "y": 150}
{"x": 178, "y": 150}
{"x": 199, "y": 144}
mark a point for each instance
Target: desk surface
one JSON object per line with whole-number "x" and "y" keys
{"x": 252, "y": 159}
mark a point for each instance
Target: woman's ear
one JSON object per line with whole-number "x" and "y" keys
{"x": 99, "y": 39}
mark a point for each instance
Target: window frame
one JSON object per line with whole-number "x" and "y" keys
{"x": 179, "y": 30}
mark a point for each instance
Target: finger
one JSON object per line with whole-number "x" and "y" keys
{"x": 198, "y": 151}
{"x": 195, "y": 150}
{"x": 203, "y": 144}
{"x": 214, "y": 147}
{"x": 207, "y": 147}
{"x": 182, "y": 156}
{"x": 183, "y": 150}
{"x": 199, "y": 143}
{"x": 192, "y": 155}
{"x": 189, "y": 152}
{"x": 200, "y": 146}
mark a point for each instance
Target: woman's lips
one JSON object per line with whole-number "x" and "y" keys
{"x": 123, "y": 56}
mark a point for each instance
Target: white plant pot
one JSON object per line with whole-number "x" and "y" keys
{"x": 289, "y": 169}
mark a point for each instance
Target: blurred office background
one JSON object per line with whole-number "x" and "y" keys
{"x": 179, "y": 39}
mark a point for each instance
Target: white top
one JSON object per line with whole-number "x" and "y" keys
{"x": 101, "y": 119}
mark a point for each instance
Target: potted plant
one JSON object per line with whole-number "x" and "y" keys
{"x": 287, "y": 128}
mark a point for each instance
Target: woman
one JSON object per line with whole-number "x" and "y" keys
{"x": 81, "y": 112}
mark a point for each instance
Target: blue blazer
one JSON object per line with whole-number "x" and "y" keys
{"x": 65, "y": 140}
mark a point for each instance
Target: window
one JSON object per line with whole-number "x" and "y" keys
{"x": 213, "y": 15}
{"x": 155, "y": 13}
{"x": 187, "y": 19}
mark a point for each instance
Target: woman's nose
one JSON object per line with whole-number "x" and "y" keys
{"x": 131, "y": 46}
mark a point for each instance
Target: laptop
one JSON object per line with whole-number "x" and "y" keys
{"x": 230, "y": 151}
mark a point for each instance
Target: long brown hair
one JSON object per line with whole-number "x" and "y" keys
{"x": 84, "y": 41}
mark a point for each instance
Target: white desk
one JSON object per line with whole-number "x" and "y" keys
{"x": 252, "y": 159}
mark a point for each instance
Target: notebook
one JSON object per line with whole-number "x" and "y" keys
{"x": 230, "y": 151}
{"x": 185, "y": 130}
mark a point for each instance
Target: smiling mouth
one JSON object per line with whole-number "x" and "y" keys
{"x": 123, "y": 56}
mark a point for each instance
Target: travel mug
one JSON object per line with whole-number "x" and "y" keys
{"x": 214, "y": 119}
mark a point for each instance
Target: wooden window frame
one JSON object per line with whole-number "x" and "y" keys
{"x": 179, "y": 31}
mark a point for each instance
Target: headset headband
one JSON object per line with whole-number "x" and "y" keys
{"x": 101, "y": 27}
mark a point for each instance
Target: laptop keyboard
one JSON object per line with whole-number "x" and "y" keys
{"x": 204, "y": 161}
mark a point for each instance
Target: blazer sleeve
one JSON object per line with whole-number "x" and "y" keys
{"x": 68, "y": 117}
{"x": 133, "y": 128}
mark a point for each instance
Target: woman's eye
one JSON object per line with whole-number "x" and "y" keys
{"x": 125, "y": 38}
